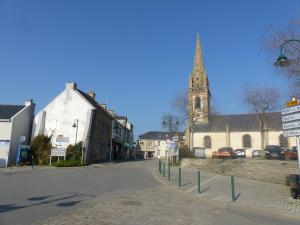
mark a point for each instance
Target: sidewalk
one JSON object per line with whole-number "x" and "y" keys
{"x": 248, "y": 193}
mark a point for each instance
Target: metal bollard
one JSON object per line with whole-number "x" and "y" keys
{"x": 199, "y": 191}
{"x": 159, "y": 166}
{"x": 179, "y": 177}
{"x": 169, "y": 172}
{"x": 164, "y": 169}
{"x": 232, "y": 188}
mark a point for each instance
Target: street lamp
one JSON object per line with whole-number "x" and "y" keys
{"x": 75, "y": 125}
{"x": 283, "y": 60}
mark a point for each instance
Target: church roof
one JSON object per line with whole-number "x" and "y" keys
{"x": 239, "y": 123}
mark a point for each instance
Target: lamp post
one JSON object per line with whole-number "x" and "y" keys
{"x": 75, "y": 125}
{"x": 283, "y": 60}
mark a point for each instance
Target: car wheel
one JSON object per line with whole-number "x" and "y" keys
{"x": 294, "y": 193}
{"x": 267, "y": 156}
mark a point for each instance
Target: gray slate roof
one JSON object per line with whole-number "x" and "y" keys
{"x": 8, "y": 111}
{"x": 94, "y": 103}
{"x": 239, "y": 123}
{"x": 157, "y": 135}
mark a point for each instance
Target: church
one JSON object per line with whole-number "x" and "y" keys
{"x": 208, "y": 132}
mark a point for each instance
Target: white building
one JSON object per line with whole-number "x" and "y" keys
{"x": 15, "y": 122}
{"x": 154, "y": 144}
{"x": 75, "y": 116}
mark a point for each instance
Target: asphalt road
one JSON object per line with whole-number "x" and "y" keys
{"x": 124, "y": 193}
{"x": 27, "y": 196}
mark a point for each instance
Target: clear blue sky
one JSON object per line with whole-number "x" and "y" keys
{"x": 137, "y": 53}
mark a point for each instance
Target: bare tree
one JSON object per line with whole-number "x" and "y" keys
{"x": 272, "y": 42}
{"x": 262, "y": 100}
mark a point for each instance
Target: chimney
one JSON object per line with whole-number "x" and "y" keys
{"x": 103, "y": 105}
{"x": 92, "y": 94}
{"x": 28, "y": 103}
{"x": 71, "y": 86}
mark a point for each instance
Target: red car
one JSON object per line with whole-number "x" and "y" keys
{"x": 225, "y": 152}
{"x": 291, "y": 154}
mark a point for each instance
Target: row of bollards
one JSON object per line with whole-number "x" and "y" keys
{"x": 162, "y": 170}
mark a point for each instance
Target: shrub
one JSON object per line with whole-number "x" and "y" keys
{"x": 67, "y": 163}
{"x": 41, "y": 148}
{"x": 74, "y": 152}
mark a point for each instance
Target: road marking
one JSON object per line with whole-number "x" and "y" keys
{"x": 203, "y": 183}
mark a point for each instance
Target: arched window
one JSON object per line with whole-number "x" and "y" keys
{"x": 207, "y": 142}
{"x": 283, "y": 141}
{"x": 197, "y": 103}
{"x": 246, "y": 141}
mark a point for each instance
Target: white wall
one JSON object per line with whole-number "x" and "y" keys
{"x": 218, "y": 140}
{"x": 60, "y": 115}
{"x": 5, "y": 134}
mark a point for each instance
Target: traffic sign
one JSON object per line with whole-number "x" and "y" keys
{"x": 291, "y": 133}
{"x": 292, "y": 117}
{"x": 293, "y": 109}
{"x": 291, "y": 125}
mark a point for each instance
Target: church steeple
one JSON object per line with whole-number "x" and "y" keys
{"x": 198, "y": 70}
{"x": 199, "y": 94}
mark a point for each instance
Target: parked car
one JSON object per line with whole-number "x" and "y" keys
{"x": 256, "y": 153}
{"x": 225, "y": 152}
{"x": 274, "y": 152}
{"x": 240, "y": 153}
{"x": 290, "y": 153}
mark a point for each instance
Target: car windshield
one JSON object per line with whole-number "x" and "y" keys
{"x": 225, "y": 150}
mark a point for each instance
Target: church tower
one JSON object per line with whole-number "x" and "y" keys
{"x": 198, "y": 94}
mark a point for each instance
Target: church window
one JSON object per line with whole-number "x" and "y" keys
{"x": 283, "y": 141}
{"x": 197, "y": 103}
{"x": 207, "y": 142}
{"x": 246, "y": 141}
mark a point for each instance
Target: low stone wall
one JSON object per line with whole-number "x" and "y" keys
{"x": 273, "y": 171}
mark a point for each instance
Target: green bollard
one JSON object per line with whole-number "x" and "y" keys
{"x": 199, "y": 191}
{"x": 179, "y": 177}
{"x": 164, "y": 169}
{"x": 159, "y": 166}
{"x": 169, "y": 172}
{"x": 232, "y": 188}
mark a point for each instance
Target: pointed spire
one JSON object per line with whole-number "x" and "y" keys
{"x": 198, "y": 61}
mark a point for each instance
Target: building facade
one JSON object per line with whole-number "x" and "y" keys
{"x": 75, "y": 116}
{"x": 154, "y": 144}
{"x": 210, "y": 132}
{"x": 15, "y": 130}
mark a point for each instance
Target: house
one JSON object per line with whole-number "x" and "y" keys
{"x": 15, "y": 129}
{"x": 122, "y": 138}
{"x": 74, "y": 116}
{"x": 209, "y": 132}
{"x": 155, "y": 144}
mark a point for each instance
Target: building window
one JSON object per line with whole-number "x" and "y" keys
{"x": 246, "y": 141}
{"x": 207, "y": 142}
{"x": 150, "y": 144}
{"x": 283, "y": 141}
{"x": 197, "y": 103}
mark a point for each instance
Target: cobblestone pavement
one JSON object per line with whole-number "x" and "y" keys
{"x": 248, "y": 193}
{"x": 166, "y": 204}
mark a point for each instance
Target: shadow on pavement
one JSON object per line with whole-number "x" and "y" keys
{"x": 73, "y": 199}
{"x": 236, "y": 197}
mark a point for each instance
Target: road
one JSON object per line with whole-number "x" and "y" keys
{"x": 123, "y": 193}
